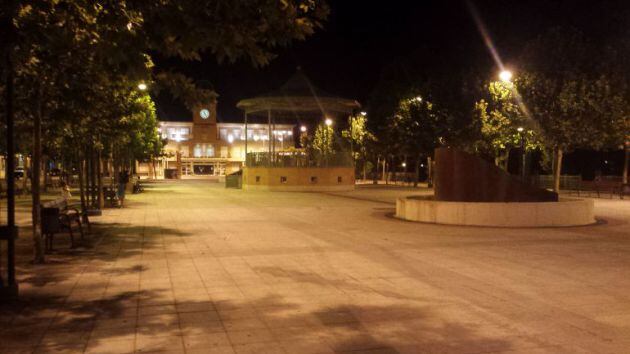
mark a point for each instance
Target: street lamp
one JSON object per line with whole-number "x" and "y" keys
{"x": 364, "y": 113}
{"x": 142, "y": 86}
{"x": 328, "y": 122}
{"x": 303, "y": 129}
{"x": 505, "y": 76}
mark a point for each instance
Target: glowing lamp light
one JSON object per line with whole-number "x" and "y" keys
{"x": 364, "y": 113}
{"x": 418, "y": 99}
{"x": 303, "y": 129}
{"x": 256, "y": 138}
{"x": 505, "y": 76}
{"x": 230, "y": 138}
{"x": 328, "y": 122}
{"x": 520, "y": 129}
{"x": 404, "y": 164}
{"x": 142, "y": 86}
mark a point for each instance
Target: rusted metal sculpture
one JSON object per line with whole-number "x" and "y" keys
{"x": 463, "y": 177}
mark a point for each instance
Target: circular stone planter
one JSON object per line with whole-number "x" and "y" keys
{"x": 566, "y": 212}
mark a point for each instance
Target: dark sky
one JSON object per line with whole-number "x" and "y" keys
{"x": 360, "y": 38}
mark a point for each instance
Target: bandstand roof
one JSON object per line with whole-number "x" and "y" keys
{"x": 298, "y": 97}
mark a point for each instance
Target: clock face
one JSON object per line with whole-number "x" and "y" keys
{"x": 204, "y": 113}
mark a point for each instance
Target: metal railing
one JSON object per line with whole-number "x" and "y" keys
{"x": 298, "y": 159}
{"x": 568, "y": 182}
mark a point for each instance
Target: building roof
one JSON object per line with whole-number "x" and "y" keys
{"x": 298, "y": 97}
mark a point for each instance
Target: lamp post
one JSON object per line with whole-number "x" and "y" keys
{"x": 523, "y": 159}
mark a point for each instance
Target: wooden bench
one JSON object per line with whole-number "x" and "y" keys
{"x": 57, "y": 215}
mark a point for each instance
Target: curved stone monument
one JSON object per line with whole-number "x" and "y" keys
{"x": 472, "y": 191}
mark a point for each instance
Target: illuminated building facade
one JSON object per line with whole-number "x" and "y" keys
{"x": 205, "y": 147}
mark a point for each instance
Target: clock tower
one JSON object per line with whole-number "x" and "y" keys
{"x": 205, "y": 121}
{"x": 206, "y": 113}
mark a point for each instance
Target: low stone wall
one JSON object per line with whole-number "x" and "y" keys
{"x": 299, "y": 179}
{"x": 566, "y": 212}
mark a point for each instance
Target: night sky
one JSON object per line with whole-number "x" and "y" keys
{"x": 361, "y": 38}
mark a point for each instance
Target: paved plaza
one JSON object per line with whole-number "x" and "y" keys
{"x": 192, "y": 267}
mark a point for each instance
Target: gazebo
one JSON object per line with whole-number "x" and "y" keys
{"x": 298, "y": 99}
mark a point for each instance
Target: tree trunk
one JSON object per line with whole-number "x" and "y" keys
{"x": 93, "y": 180}
{"x": 28, "y": 170}
{"x": 626, "y": 162}
{"x": 155, "y": 174}
{"x": 417, "y": 171}
{"x": 502, "y": 158}
{"x": 99, "y": 178}
{"x": 385, "y": 169}
{"x": 405, "y": 178}
{"x": 81, "y": 185}
{"x": 365, "y": 168}
{"x": 45, "y": 163}
{"x": 38, "y": 244}
{"x": 429, "y": 172}
{"x": 87, "y": 179}
{"x": 557, "y": 169}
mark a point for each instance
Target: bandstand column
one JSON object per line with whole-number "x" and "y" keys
{"x": 245, "y": 162}
{"x": 269, "y": 131}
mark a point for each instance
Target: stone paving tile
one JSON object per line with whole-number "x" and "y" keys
{"x": 191, "y": 267}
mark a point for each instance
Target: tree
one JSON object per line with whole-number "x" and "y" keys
{"x": 562, "y": 88}
{"x": 419, "y": 127}
{"x": 359, "y": 137}
{"x": 324, "y": 141}
{"x": 502, "y": 123}
{"x": 617, "y": 98}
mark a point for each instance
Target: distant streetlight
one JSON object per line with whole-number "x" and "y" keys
{"x": 303, "y": 129}
{"x": 142, "y": 86}
{"x": 364, "y": 113}
{"x": 505, "y": 76}
{"x": 328, "y": 122}
{"x": 418, "y": 98}
{"x": 404, "y": 164}
{"x": 520, "y": 129}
